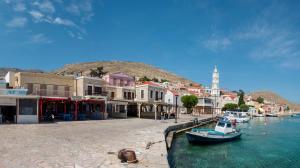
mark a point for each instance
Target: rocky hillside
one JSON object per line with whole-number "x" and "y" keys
{"x": 3, "y": 71}
{"x": 267, "y": 95}
{"x": 132, "y": 68}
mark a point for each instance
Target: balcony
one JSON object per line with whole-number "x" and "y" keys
{"x": 13, "y": 92}
{"x": 91, "y": 93}
{"x": 50, "y": 93}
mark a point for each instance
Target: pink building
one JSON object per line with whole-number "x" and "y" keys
{"x": 119, "y": 79}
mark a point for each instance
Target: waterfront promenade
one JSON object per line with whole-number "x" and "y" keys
{"x": 84, "y": 143}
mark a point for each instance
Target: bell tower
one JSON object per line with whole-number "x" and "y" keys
{"x": 215, "y": 88}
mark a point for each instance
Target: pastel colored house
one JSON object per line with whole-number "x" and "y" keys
{"x": 150, "y": 98}
{"x": 65, "y": 97}
{"x": 170, "y": 100}
{"x": 119, "y": 79}
{"x": 16, "y": 106}
{"x": 120, "y": 95}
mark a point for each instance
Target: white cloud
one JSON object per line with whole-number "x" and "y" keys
{"x": 73, "y": 8}
{"x": 40, "y": 39}
{"x": 36, "y": 15}
{"x": 45, "y": 6}
{"x": 216, "y": 43}
{"x": 64, "y": 22}
{"x": 75, "y": 35}
{"x": 258, "y": 30}
{"x": 19, "y": 7}
{"x": 82, "y": 8}
{"x": 17, "y": 22}
{"x": 44, "y": 11}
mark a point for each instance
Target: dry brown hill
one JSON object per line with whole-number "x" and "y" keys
{"x": 136, "y": 69}
{"x": 275, "y": 97}
{"x": 3, "y": 71}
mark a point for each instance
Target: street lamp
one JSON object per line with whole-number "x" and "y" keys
{"x": 176, "y": 105}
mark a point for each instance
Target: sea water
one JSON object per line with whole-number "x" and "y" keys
{"x": 272, "y": 142}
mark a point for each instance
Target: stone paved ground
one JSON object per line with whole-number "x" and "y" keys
{"x": 84, "y": 143}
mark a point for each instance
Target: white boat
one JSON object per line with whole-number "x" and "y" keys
{"x": 258, "y": 115}
{"x": 271, "y": 115}
{"x": 238, "y": 116}
{"x": 223, "y": 132}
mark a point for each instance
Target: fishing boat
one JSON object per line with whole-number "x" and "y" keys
{"x": 223, "y": 132}
{"x": 237, "y": 116}
{"x": 271, "y": 115}
{"x": 258, "y": 115}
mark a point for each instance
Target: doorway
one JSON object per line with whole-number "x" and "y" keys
{"x": 8, "y": 114}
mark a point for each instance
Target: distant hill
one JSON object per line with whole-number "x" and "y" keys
{"x": 136, "y": 69}
{"x": 3, "y": 71}
{"x": 268, "y": 95}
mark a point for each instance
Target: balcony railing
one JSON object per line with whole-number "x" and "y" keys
{"x": 50, "y": 92}
{"x": 91, "y": 93}
{"x": 13, "y": 92}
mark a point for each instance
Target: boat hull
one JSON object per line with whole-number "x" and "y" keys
{"x": 271, "y": 115}
{"x": 196, "y": 138}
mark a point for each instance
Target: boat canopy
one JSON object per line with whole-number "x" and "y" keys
{"x": 224, "y": 120}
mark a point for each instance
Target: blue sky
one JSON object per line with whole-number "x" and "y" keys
{"x": 255, "y": 44}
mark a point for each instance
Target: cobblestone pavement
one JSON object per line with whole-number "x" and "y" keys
{"x": 83, "y": 144}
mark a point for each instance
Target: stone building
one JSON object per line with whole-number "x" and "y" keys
{"x": 150, "y": 100}
{"x": 120, "y": 95}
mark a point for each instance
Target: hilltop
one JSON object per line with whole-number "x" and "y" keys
{"x": 268, "y": 95}
{"x": 3, "y": 71}
{"x": 136, "y": 69}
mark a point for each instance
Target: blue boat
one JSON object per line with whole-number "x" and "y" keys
{"x": 223, "y": 132}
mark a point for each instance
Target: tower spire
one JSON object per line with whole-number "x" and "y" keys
{"x": 215, "y": 90}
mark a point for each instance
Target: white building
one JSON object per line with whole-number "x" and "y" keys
{"x": 170, "y": 100}
{"x": 215, "y": 91}
{"x": 215, "y": 87}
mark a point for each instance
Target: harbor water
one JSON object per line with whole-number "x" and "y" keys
{"x": 266, "y": 142}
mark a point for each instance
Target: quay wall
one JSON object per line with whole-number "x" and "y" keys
{"x": 172, "y": 130}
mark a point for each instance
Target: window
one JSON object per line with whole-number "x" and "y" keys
{"x": 133, "y": 95}
{"x": 112, "y": 95}
{"x": 43, "y": 90}
{"x": 90, "y": 90}
{"x": 55, "y": 88}
{"x": 122, "y": 109}
{"x": 129, "y": 95}
{"x": 151, "y": 94}
{"x": 156, "y": 95}
{"x": 28, "y": 106}
{"x": 221, "y": 124}
{"x": 67, "y": 90}
{"x": 98, "y": 90}
{"x": 142, "y": 94}
{"x": 161, "y": 95}
{"x": 125, "y": 95}
{"x": 30, "y": 88}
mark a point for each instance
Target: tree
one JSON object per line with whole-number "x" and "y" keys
{"x": 98, "y": 72}
{"x": 155, "y": 79}
{"x": 287, "y": 108}
{"x": 144, "y": 79}
{"x": 189, "y": 102}
{"x": 163, "y": 80}
{"x": 241, "y": 97}
{"x": 260, "y": 100}
{"x": 244, "y": 107}
{"x": 230, "y": 107}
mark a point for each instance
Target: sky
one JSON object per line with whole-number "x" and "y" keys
{"x": 254, "y": 43}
